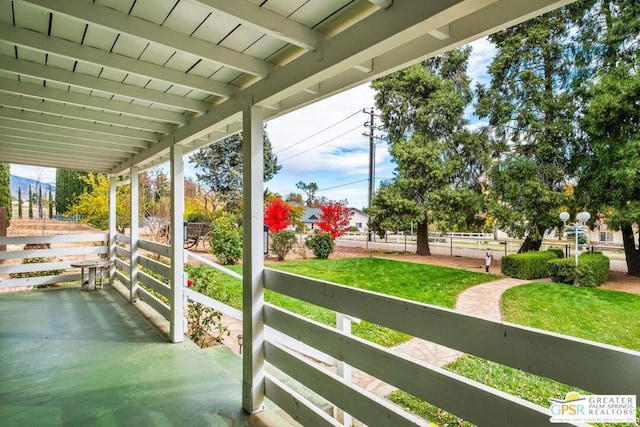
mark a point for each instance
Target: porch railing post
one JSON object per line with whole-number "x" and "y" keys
{"x": 177, "y": 323}
{"x": 112, "y": 228}
{"x": 133, "y": 225}
{"x": 253, "y": 262}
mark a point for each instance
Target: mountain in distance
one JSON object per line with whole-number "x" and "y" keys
{"x": 24, "y": 183}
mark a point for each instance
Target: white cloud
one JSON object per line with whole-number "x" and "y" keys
{"x": 45, "y": 175}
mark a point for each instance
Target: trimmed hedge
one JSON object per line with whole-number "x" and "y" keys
{"x": 592, "y": 270}
{"x": 528, "y": 265}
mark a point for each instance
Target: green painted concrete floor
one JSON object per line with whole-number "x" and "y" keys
{"x": 77, "y": 358}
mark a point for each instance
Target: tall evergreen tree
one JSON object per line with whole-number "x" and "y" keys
{"x": 5, "y": 188}
{"x": 440, "y": 162}
{"x": 219, "y": 167}
{"x": 50, "y": 203}
{"x": 30, "y": 203}
{"x": 19, "y": 203}
{"x": 609, "y": 84}
{"x": 69, "y": 186}
{"x": 531, "y": 114}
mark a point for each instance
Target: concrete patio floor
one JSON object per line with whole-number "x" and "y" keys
{"x": 77, "y": 358}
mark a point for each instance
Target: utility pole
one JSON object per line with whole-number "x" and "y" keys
{"x": 371, "y": 127}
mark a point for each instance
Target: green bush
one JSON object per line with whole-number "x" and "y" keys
{"x": 558, "y": 251}
{"x": 282, "y": 242}
{"x": 528, "y": 265}
{"x": 321, "y": 244}
{"x": 592, "y": 270}
{"x": 225, "y": 238}
{"x": 563, "y": 270}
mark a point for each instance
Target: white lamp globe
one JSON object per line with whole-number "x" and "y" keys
{"x": 564, "y": 216}
{"x": 583, "y": 217}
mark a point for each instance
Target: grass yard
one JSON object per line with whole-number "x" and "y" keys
{"x": 595, "y": 314}
{"x": 419, "y": 282}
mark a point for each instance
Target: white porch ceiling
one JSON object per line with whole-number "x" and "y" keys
{"x": 106, "y": 84}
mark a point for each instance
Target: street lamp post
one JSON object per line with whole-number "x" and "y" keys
{"x": 581, "y": 219}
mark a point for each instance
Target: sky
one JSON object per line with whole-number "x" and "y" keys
{"x": 324, "y": 143}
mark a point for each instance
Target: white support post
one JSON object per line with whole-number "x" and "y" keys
{"x": 133, "y": 221}
{"x": 253, "y": 262}
{"x": 177, "y": 323}
{"x": 343, "y": 323}
{"x": 112, "y": 228}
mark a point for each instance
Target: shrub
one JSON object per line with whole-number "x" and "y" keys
{"x": 528, "y": 265}
{"x": 592, "y": 270}
{"x": 558, "y": 251}
{"x": 562, "y": 270}
{"x": 225, "y": 239}
{"x": 321, "y": 244}
{"x": 282, "y": 242}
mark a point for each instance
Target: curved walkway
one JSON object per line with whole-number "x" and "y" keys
{"x": 480, "y": 301}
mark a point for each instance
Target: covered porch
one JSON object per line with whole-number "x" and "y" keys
{"x": 120, "y": 86}
{"x": 71, "y": 357}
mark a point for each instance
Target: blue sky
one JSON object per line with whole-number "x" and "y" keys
{"x": 324, "y": 143}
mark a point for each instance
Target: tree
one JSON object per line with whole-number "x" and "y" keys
{"x": 69, "y": 185}
{"x": 19, "y": 203}
{"x": 5, "y": 188}
{"x": 609, "y": 179}
{"x": 531, "y": 114}
{"x": 219, "y": 167}
{"x": 277, "y": 215}
{"x": 440, "y": 163}
{"x": 50, "y": 203}
{"x": 334, "y": 218}
{"x": 30, "y": 203}
{"x": 310, "y": 190}
{"x": 93, "y": 203}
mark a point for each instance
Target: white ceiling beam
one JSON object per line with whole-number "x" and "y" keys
{"x": 45, "y": 139}
{"x": 73, "y": 51}
{"x": 69, "y": 162}
{"x": 366, "y": 66}
{"x": 85, "y": 81}
{"x": 441, "y": 33}
{"x": 20, "y": 145}
{"x": 113, "y": 20}
{"x": 44, "y": 133}
{"x": 382, "y": 4}
{"x": 82, "y": 114}
{"x": 266, "y": 21}
{"x": 64, "y": 122}
{"x": 82, "y": 100}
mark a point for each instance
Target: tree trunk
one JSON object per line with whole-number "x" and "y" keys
{"x": 530, "y": 244}
{"x": 422, "y": 234}
{"x": 631, "y": 252}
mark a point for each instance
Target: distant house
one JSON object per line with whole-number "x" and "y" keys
{"x": 358, "y": 218}
{"x": 310, "y": 217}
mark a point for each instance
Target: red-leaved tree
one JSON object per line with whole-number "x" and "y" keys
{"x": 334, "y": 218}
{"x": 277, "y": 215}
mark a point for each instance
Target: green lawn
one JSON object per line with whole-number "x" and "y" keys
{"x": 419, "y": 282}
{"x": 595, "y": 314}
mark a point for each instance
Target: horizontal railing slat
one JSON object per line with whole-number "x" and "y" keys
{"x": 155, "y": 266}
{"x": 157, "y": 248}
{"x": 595, "y": 367}
{"x": 155, "y": 303}
{"x": 467, "y": 399}
{"x": 301, "y": 410}
{"x": 155, "y": 284}
{"x": 57, "y": 252}
{"x": 365, "y": 406}
{"x": 40, "y": 280}
{"x": 32, "y": 267}
{"x": 57, "y": 238}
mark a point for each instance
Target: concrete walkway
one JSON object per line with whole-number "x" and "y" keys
{"x": 480, "y": 301}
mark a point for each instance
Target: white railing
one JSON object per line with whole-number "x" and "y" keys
{"x": 591, "y": 366}
{"x": 597, "y": 368}
{"x": 71, "y": 247}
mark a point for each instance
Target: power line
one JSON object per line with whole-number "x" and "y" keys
{"x": 317, "y": 133}
{"x": 321, "y": 144}
{"x": 348, "y": 183}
